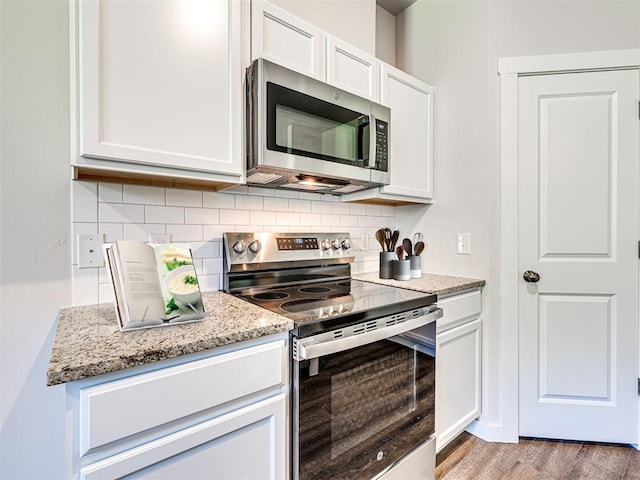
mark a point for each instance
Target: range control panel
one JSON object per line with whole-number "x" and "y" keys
{"x": 256, "y": 251}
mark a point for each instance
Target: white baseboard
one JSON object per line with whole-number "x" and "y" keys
{"x": 492, "y": 432}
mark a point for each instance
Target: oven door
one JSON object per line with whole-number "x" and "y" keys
{"x": 359, "y": 411}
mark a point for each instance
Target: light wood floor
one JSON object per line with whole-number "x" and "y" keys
{"x": 469, "y": 458}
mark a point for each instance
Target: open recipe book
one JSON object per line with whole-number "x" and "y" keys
{"x": 154, "y": 285}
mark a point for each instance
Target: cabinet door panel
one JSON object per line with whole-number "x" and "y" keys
{"x": 148, "y": 400}
{"x": 161, "y": 83}
{"x": 457, "y": 380}
{"x": 247, "y": 443}
{"x": 351, "y": 69}
{"x": 411, "y": 145}
{"x": 286, "y": 40}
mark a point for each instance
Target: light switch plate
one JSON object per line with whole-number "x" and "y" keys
{"x": 90, "y": 250}
{"x": 464, "y": 244}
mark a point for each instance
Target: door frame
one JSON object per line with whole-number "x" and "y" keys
{"x": 509, "y": 70}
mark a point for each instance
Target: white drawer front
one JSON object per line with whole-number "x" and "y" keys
{"x": 117, "y": 409}
{"x": 459, "y": 309}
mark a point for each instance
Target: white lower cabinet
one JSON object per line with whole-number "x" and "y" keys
{"x": 457, "y": 338}
{"x": 457, "y": 380}
{"x": 239, "y": 445}
{"x": 202, "y": 418}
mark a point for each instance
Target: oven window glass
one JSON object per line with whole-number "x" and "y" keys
{"x": 363, "y": 410}
{"x": 303, "y": 125}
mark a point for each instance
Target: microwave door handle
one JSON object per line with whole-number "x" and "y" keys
{"x": 373, "y": 135}
{"x": 362, "y": 125}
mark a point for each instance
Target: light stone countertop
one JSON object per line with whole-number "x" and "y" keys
{"x": 442, "y": 285}
{"x": 88, "y": 341}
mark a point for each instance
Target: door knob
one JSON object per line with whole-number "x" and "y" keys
{"x": 531, "y": 276}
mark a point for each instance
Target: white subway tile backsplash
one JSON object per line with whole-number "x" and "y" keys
{"x": 311, "y": 219}
{"x": 158, "y": 214}
{"x": 340, "y": 208}
{"x": 110, "y": 192}
{"x": 249, "y": 202}
{"x": 214, "y": 232}
{"x": 120, "y": 213}
{"x": 374, "y": 210}
{"x": 357, "y": 209}
{"x": 210, "y": 249}
{"x": 302, "y": 206}
{"x": 218, "y": 200}
{"x": 112, "y": 232}
{"x": 184, "y": 198}
{"x": 84, "y": 197}
{"x": 276, "y": 204}
{"x": 348, "y": 221}
{"x": 185, "y": 233}
{"x": 202, "y": 216}
{"x": 365, "y": 221}
{"x": 320, "y": 207}
{"x": 140, "y": 231}
{"x": 105, "y": 293}
{"x": 144, "y": 195}
{"x": 263, "y": 218}
{"x": 212, "y": 266}
{"x": 329, "y": 220}
{"x": 210, "y": 283}
{"x": 291, "y": 219}
{"x": 199, "y": 219}
{"x": 235, "y": 217}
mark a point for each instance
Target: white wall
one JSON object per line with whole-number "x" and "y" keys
{"x": 34, "y": 227}
{"x": 385, "y": 36}
{"x": 455, "y": 46}
{"x": 353, "y": 21}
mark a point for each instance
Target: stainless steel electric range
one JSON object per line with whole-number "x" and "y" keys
{"x": 362, "y": 394}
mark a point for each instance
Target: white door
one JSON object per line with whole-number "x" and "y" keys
{"x": 578, "y": 229}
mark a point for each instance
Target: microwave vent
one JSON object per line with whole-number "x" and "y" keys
{"x": 264, "y": 178}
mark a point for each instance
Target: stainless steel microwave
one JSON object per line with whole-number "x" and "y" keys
{"x": 304, "y": 134}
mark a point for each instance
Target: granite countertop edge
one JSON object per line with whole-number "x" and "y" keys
{"x": 88, "y": 342}
{"x": 432, "y": 283}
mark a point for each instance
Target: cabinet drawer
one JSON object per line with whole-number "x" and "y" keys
{"x": 121, "y": 408}
{"x": 459, "y": 309}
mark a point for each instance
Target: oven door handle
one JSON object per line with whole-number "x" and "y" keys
{"x": 310, "y": 347}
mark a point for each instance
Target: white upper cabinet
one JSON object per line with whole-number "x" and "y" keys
{"x": 352, "y": 69}
{"x": 286, "y": 40}
{"x": 290, "y": 41}
{"x": 159, "y": 84}
{"x": 411, "y": 141}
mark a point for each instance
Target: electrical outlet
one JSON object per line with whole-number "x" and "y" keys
{"x": 90, "y": 250}
{"x": 159, "y": 238}
{"x": 464, "y": 244}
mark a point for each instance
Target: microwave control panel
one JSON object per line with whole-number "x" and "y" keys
{"x": 382, "y": 145}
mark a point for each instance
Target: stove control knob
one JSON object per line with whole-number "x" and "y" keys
{"x": 336, "y": 244}
{"x": 239, "y": 246}
{"x": 255, "y": 246}
{"x": 346, "y": 244}
{"x": 325, "y": 244}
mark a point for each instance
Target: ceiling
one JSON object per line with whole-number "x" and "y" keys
{"x": 394, "y": 6}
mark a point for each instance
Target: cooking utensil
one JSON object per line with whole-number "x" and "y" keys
{"x": 394, "y": 239}
{"x": 387, "y": 236}
{"x": 408, "y": 247}
{"x": 381, "y": 239}
{"x": 400, "y": 253}
{"x": 417, "y": 237}
{"x": 419, "y": 247}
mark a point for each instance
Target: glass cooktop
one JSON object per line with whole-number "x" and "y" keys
{"x": 316, "y": 307}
